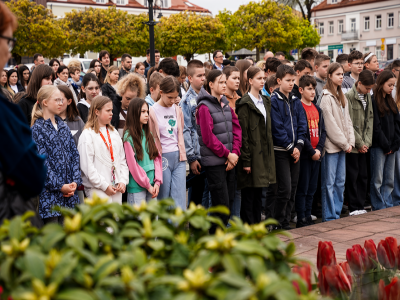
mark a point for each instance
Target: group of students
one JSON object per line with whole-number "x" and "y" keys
{"x": 241, "y": 129}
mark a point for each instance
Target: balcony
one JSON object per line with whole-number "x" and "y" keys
{"x": 350, "y": 35}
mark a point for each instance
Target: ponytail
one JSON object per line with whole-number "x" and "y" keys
{"x": 44, "y": 93}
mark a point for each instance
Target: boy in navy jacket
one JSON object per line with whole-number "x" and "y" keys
{"x": 311, "y": 153}
{"x": 289, "y": 131}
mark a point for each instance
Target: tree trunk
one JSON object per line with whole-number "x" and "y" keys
{"x": 257, "y": 54}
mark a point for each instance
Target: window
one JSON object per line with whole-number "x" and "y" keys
{"x": 340, "y": 29}
{"x": 100, "y": 1}
{"x": 391, "y": 20}
{"x": 353, "y": 25}
{"x": 389, "y": 52}
{"x": 366, "y": 49}
{"x": 330, "y": 27}
{"x": 121, "y": 2}
{"x": 366, "y": 23}
{"x": 378, "y": 22}
{"x": 330, "y": 53}
{"x": 321, "y": 28}
{"x": 334, "y": 1}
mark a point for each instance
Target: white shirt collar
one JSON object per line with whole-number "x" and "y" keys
{"x": 255, "y": 100}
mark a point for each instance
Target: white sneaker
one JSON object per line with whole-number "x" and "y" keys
{"x": 313, "y": 217}
{"x": 294, "y": 220}
{"x": 360, "y": 212}
{"x": 354, "y": 213}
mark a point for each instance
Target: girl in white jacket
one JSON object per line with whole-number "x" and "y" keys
{"x": 102, "y": 156}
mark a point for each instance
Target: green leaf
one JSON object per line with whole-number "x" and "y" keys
{"x": 35, "y": 264}
{"x": 252, "y": 247}
{"x": 5, "y": 269}
{"x": 105, "y": 269}
{"x": 91, "y": 240}
{"x": 129, "y": 233}
{"x": 290, "y": 249}
{"x": 64, "y": 267}
{"x": 156, "y": 245}
{"x": 15, "y": 229}
{"x": 75, "y": 294}
{"x": 53, "y": 235}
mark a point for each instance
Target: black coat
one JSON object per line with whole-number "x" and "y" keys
{"x": 26, "y": 104}
{"x": 83, "y": 111}
{"x": 108, "y": 91}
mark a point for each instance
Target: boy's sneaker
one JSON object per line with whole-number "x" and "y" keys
{"x": 314, "y": 218}
{"x": 286, "y": 227}
{"x": 294, "y": 220}
{"x": 310, "y": 220}
{"x": 301, "y": 223}
{"x": 357, "y": 212}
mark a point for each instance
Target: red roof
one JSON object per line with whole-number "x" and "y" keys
{"x": 176, "y": 5}
{"x": 344, "y": 3}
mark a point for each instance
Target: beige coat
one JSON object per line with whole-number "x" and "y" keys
{"x": 338, "y": 125}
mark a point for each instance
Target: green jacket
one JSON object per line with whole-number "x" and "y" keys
{"x": 363, "y": 120}
{"x": 257, "y": 149}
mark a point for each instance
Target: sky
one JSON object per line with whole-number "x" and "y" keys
{"x": 216, "y": 5}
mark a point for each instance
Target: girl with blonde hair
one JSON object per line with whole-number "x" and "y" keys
{"x": 54, "y": 140}
{"x": 103, "y": 163}
{"x": 110, "y": 84}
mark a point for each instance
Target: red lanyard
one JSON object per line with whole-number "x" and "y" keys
{"x": 109, "y": 148}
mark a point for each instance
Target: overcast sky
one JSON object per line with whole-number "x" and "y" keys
{"x": 216, "y": 5}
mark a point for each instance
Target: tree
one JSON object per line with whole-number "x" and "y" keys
{"x": 188, "y": 33}
{"x": 38, "y": 31}
{"x": 105, "y": 29}
{"x": 264, "y": 24}
{"x": 309, "y": 35}
{"x": 304, "y": 5}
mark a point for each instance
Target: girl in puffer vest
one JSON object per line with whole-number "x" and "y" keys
{"x": 220, "y": 139}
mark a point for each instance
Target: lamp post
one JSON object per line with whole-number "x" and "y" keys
{"x": 151, "y": 24}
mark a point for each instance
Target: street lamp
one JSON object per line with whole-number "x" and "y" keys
{"x": 151, "y": 24}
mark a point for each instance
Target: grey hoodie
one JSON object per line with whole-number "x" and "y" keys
{"x": 320, "y": 86}
{"x": 76, "y": 128}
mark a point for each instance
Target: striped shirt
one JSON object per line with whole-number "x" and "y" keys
{"x": 347, "y": 84}
{"x": 361, "y": 96}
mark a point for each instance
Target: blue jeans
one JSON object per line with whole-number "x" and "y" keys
{"x": 306, "y": 187}
{"x": 396, "y": 189}
{"x": 174, "y": 178}
{"x": 382, "y": 178}
{"x": 333, "y": 177}
{"x": 137, "y": 198}
{"x": 206, "y": 200}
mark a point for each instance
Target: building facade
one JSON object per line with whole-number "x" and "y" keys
{"x": 364, "y": 25}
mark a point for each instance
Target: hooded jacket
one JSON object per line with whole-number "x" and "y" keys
{"x": 320, "y": 86}
{"x": 218, "y": 129}
{"x": 363, "y": 120}
{"x": 338, "y": 125}
{"x": 257, "y": 150}
{"x": 26, "y": 104}
{"x": 386, "y": 133}
{"x": 289, "y": 122}
{"x": 83, "y": 108}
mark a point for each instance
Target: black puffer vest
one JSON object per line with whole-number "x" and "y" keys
{"x": 222, "y": 120}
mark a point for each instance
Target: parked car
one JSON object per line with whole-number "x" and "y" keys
{"x": 85, "y": 63}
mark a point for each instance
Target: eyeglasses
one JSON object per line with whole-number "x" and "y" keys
{"x": 358, "y": 64}
{"x": 219, "y": 56}
{"x": 11, "y": 42}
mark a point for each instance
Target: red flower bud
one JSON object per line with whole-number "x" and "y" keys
{"x": 333, "y": 281}
{"x": 388, "y": 252}
{"x": 326, "y": 255}
{"x": 370, "y": 247}
{"x": 346, "y": 269}
{"x": 389, "y": 292}
{"x": 357, "y": 258}
{"x": 305, "y": 273}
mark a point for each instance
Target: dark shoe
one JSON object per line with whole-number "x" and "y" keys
{"x": 301, "y": 223}
{"x": 286, "y": 227}
{"x": 345, "y": 209}
{"x": 310, "y": 221}
{"x": 274, "y": 228}
{"x": 317, "y": 212}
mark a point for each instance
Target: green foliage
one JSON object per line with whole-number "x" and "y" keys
{"x": 268, "y": 25}
{"x": 38, "y": 30}
{"x": 188, "y": 33}
{"x": 112, "y": 251}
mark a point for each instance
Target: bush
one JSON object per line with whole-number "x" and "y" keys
{"x": 112, "y": 251}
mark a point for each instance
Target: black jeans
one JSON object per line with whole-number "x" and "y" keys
{"x": 196, "y": 182}
{"x": 283, "y": 192}
{"x": 250, "y": 209}
{"x": 306, "y": 187}
{"x": 356, "y": 187}
{"x": 222, "y": 189}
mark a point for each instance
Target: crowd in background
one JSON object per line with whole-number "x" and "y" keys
{"x": 288, "y": 140}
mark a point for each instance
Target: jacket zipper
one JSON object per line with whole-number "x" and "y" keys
{"x": 226, "y": 127}
{"x": 291, "y": 120}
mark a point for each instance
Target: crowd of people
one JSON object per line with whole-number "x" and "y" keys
{"x": 273, "y": 137}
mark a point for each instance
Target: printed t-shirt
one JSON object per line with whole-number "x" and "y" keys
{"x": 168, "y": 126}
{"x": 313, "y": 120}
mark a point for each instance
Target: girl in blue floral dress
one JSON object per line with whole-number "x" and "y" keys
{"x": 55, "y": 141}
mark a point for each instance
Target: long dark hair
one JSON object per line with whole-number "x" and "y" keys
{"x": 366, "y": 77}
{"x": 243, "y": 65}
{"x": 35, "y": 83}
{"x": 9, "y": 73}
{"x": 93, "y": 63}
{"x": 330, "y": 86}
{"x": 21, "y": 70}
{"x": 72, "y": 110}
{"x": 251, "y": 72}
{"x": 135, "y": 130}
{"x": 378, "y": 94}
{"x": 85, "y": 81}
{"x": 211, "y": 77}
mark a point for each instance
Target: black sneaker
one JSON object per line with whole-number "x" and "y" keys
{"x": 301, "y": 223}
{"x": 309, "y": 221}
{"x": 286, "y": 227}
{"x": 274, "y": 228}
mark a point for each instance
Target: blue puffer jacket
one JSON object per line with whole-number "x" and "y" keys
{"x": 289, "y": 122}
{"x": 62, "y": 161}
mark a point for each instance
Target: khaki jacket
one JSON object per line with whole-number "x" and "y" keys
{"x": 153, "y": 124}
{"x": 338, "y": 125}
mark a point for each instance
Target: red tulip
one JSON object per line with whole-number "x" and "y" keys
{"x": 388, "y": 252}
{"x": 326, "y": 255}
{"x": 333, "y": 281}
{"x": 346, "y": 269}
{"x": 389, "y": 292}
{"x": 370, "y": 247}
{"x": 305, "y": 273}
{"x": 358, "y": 259}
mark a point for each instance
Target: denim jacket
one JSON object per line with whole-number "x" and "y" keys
{"x": 189, "y": 105}
{"x": 62, "y": 162}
